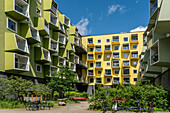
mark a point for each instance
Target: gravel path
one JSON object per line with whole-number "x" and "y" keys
{"x": 73, "y": 108}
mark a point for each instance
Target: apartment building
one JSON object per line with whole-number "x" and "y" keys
{"x": 36, "y": 39}
{"x": 112, "y": 59}
{"x": 155, "y": 60}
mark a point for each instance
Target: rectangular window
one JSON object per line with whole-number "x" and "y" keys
{"x": 125, "y": 39}
{"x": 98, "y": 80}
{"x": 115, "y": 79}
{"x": 90, "y": 41}
{"x": 107, "y": 40}
{"x": 135, "y": 79}
{"x": 12, "y": 25}
{"x": 126, "y": 71}
{"x": 38, "y": 11}
{"x": 91, "y": 80}
{"x": 90, "y": 72}
{"x": 134, "y": 71}
{"x": 91, "y": 49}
{"x": 116, "y": 47}
{"x": 115, "y": 55}
{"x": 108, "y": 64}
{"x": 90, "y": 56}
{"x": 126, "y": 80}
{"x": 134, "y": 37}
{"x": 107, "y": 47}
{"x": 135, "y": 63}
{"x": 115, "y": 38}
{"x": 99, "y": 72}
{"x": 134, "y": 46}
{"x": 116, "y": 71}
{"x": 126, "y": 55}
{"x": 38, "y": 68}
{"x": 98, "y": 64}
{"x": 108, "y": 79}
{"x": 91, "y": 64}
{"x": 99, "y": 41}
{"x": 108, "y": 72}
{"x": 107, "y": 56}
{"x": 99, "y": 56}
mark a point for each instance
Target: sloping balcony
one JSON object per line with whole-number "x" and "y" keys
{"x": 50, "y": 5}
{"x": 153, "y": 6}
{"x": 32, "y": 35}
{"x": 107, "y": 49}
{"x": 42, "y": 55}
{"x": 146, "y": 56}
{"x": 72, "y": 48}
{"x": 76, "y": 59}
{"x": 43, "y": 26}
{"x": 18, "y": 9}
{"x": 61, "y": 27}
{"x": 16, "y": 62}
{"x": 90, "y": 57}
{"x": 126, "y": 63}
{"x": 98, "y": 49}
{"x": 66, "y": 21}
{"x": 115, "y": 40}
{"x": 134, "y": 38}
{"x": 51, "y": 19}
{"x": 72, "y": 66}
{"x": 51, "y": 45}
{"x": 15, "y": 43}
{"x": 61, "y": 61}
{"x": 90, "y": 72}
{"x": 159, "y": 53}
{"x": 98, "y": 65}
{"x": 125, "y": 47}
{"x": 62, "y": 38}
{"x": 116, "y": 64}
{"x": 90, "y": 42}
{"x": 73, "y": 30}
{"x": 153, "y": 69}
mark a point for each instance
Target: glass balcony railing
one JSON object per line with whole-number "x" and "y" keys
{"x": 115, "y": 81}
{"x": 53, "y": 8}
{"x": 21, "y": 65}
{"x": 108, "y": 73}
{"x": 61, "y": 40}
{"x": 134, "y": 39}
{"x": 134, "y": 56}
{"x": 125, "y": 48}
{"x": 154, "y": 7}
{"x": 115, "y": 40}
{"x": 34, "y": 35}
{"x": 90, "y": 58}
{"x": 115, "y": 64}
{"x": 126, "y": 64}
{"x": 126, "y": 81}
{"x": 66, "y": 22}
{"x": 21, "y": 46}
{"x": 115, "y": 56}
{"x": 20, "y": 9}
{"x": 107, "y": 49}
{"x": 90, "y": 42}
{"x": 54, "y": 21}
{"x": 46, "y": 28}
{"x": 98, "y": 65}
{"x": 98, "y": 49}
{"x": 53, "y": 46}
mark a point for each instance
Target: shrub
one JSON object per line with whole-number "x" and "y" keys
{"x": 56, "y": 95}
{"x": 70, "y": 94}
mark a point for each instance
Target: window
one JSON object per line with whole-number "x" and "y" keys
{"x": 126, "y": 63}
{"x": 107, "y": 47}
{"x": 115, "y": 38}
{"x": 38, "y": 68}
{"x": 125, "y": 39}
{"x": 90, "y": 72}
{"x": 126, "y": 55}
{"x": 107, "y": 56}
{"x": 108, "y": 64}
{"x": 115, "y": 79}
{"x": 135, "y": 63}
{"x": 116, "y": 47}
{"x": 108, "y": 79}
{"x": 91, "y": 49}
{"x": 126, "y": 71}
{"x": 90, "y": 41}
{"x": 99, "y": 56}
{"x": 115, "y": 55}
{"x": 99, "y": 41}
{"x": 98, "y": 64}
{"x": 134, "y": 46}
{"x": 116, "y": 71}
{"x": 126, "y": 80}
{"x": 91, "y": 64}
{"x": 91, "y": 80}
{"x": 99, "y": 72}
{"x": 108, "y": 72}
{"x": 90, "y": 56}
{"x": 12, "y": 25}
{"x": 135, "y": 79}
{"x": 38, "y": 11}
{"x": 134, "y": 71}
{"x": 115, "y": 63}
{"x": 107, "y": 40}
{"x": 98, "y": 80}
{"x": 134, "y": 37}
{"x": 134, "y": 54}
{"x": 98, "y": 48}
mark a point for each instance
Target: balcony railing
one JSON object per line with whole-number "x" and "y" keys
{"x": 107, "y": 49}
{"x": 53, "y": 8}
{"x": 90, "y": 58}
{"x": 115, "y": 56}
{"x": 21, "y": 46}
{"x": 61, "y": 40}
{"x": 115, "y": 81}
{"x": 46, "y": 28}
{"x": 115, "y": 64}
{"x": 84, "y": 64}
{"x": 54, "y": 21}
{"x": 90, "y": 42}
{"x": 125, "y": 48}
{"x": 154, "y": 7}
{"x": 126, "y": 64}
{"x": 108, "y": 73}
{"x": 98, "y": 65}
{"x": 21, "y": 65}
{"x": 98, "y": 49}
{"x": 134, "y": 39}
{"x": 34, "y": 35}
{"x": 134, "y": 56}
{"x": 115, "y": 40}
{"x": 20, "y": 9}
{"x": 126, "y": 81}
{"x": 53, "y": 46}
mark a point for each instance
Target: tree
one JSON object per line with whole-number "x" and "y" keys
{"x": 62, "y": 80}
{"x": 5, "y": 87}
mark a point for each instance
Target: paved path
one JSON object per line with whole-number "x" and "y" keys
{"x": 73, "y": 108}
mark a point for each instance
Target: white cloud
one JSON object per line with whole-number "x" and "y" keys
{"x": 140, "y": 28}
{"x": 114, "y": 8}
{"x": 82, "y": 26}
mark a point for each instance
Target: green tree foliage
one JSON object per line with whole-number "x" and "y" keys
{"x": 129, "y": 95}
{"x": 70, "y": 94}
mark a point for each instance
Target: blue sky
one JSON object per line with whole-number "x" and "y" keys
{"x": 106, "y": 16}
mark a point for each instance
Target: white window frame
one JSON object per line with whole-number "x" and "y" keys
{"x": 40, "y": 68}
{"x": 136, "y": 71}
{"x": 40, "y": 11}
{"x": 134, "y": 78}
{"x": 8, "y": 18}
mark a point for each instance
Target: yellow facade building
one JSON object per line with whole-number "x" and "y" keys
{"x": 112, "y": 59}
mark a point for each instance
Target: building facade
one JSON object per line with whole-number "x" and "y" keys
{"x": 155, "y": 59}
{"x": 112, "y": 59}
{"x": 36, "y": 39}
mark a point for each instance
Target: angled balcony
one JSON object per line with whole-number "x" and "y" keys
{"x": 107, "y": 49}
{"x": 61, "y": 28}
{"x": 50, "y": 5}
{"x": 62, "y": 38}
{"x": 76, "y": 59}
{"x": 18, "y": 9}
{"x": 53, "y": 71}
{"x": 32, "y": 35}
{"x": 153, "y": 6}
{"x": 76, "y": 41}
{"x": 90, "y": 42}
{"x": 159, "y": 53}
{"x": 61, "y": 61}
{"x": 116, "y": 64}
{"x": 72, "y": 66}
{"x": 66, "y": 21}
{"x": 134, "y": 38}
{"x": 115, "y": 40}
{"x": 43, "y": 26}
{"x": 115, "y": 55}
{"x": 72, "y": 48}
{"x": 152, "y": 69}
{"x": 98, "y": 49}
{"x": 15, "y": 43}
{"x": 42, "y": 55}
{"x": 134, "y": 55}
{"x": 125, "y": 47}
{"x": 90, "y": 72}
{"x": 51, "y": 19}
{"x": 146, "y": 56}
{"x": 116, "y": 80}
{"x": 126, "y": 63}
{"x": 73, "y": 31}
{"x": 16, "y": 62}
{"x": 90, "y": 57}
{"x": 98, "y": 65}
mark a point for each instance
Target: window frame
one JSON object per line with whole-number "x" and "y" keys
{"x": 39, "y": 10}
{"x": 134, "y": 45}
{"x": 40, "y": 68}
{"x": 8, "y": 18}
{"x": 135, "y": 78}
{"x": 115, "y": 71}
{"x": 135, "y": 70}
{"x": 98, "y": 41}
{"x": 124, "y": 39}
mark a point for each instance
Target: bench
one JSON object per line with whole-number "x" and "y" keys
{"x": 76, "y": 99}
